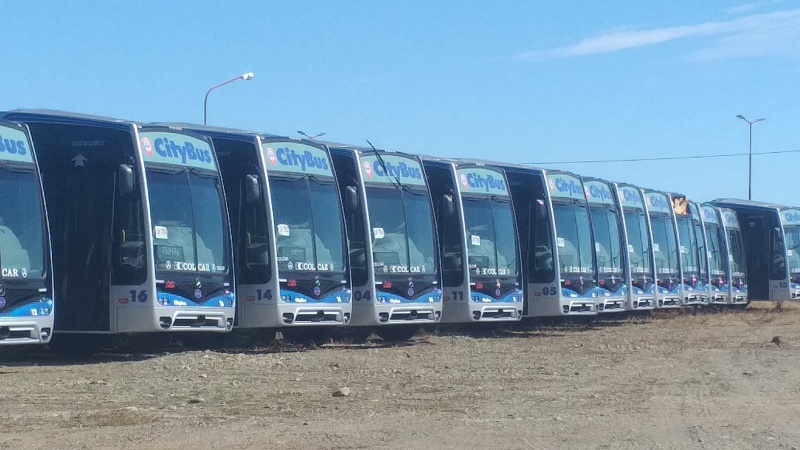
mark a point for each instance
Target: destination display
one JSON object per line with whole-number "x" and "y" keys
{"x": 176, "y": 149}
{"x": 630, "y": 197}
{"x": 658, "y": 203}
{"x": 14, "y": 145}
{"x": 598, "y": 193}
{"x": 477, "y": 180}
{"x": 565, "y": 186}
{"x": 391, "y": 169}
{"x": 296, "y": 158}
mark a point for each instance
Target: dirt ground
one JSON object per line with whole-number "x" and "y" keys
{"x": 711, "y": 380}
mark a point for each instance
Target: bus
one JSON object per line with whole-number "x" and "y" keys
{"x": 27, "y": 309}
{"x": 287, "y": 228}
{"x": 477, "y": 241}
{"x": 737, "y": 272}
{"x": 771, "y": 234}
{"x": 693, "y": 253}
{"x": 138, "y": 225}
{"x": 666, "y": 259}
{"x": 717, "y": 255}
{"x": 556, "y": 239}
{"x": 394, "y": 257}
{"x": 610, "y": 258}
{"x": 637, "y": 240}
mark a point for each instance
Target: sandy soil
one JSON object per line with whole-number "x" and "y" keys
{"x": 683, "y": 381}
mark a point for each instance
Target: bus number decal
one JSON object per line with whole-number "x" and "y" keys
{"x": 458, "y": 296}
{"x": 264, "y": 295}
{"x": 138, "y": 296}
{"x": 362, "y": 296}
{"x": 549, "y": 290}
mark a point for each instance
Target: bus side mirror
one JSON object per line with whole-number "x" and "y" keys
{"x": 252, "y": 190}
{"x": 132, "y": 255}
{"x": 125, "y": 180}
{"x": 257, "y": 254}
{"x": 448, "y": 208}
{"x": 539, "y": 210}
{"x": 350, "y": 199}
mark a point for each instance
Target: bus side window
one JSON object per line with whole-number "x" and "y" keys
{"x": 777, "y": 255}
{"x": 253, "y": 223}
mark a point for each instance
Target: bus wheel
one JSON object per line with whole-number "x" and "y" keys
{"x": 397, "y": 333}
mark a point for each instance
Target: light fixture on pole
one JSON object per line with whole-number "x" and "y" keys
{"x": 310, "y": 138}
{"x": 245, "y": 77}
{"x": 750, "y": 156}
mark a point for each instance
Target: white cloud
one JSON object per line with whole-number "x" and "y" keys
{"x": 741, "y": 9}
{"x": 756, "y": 35}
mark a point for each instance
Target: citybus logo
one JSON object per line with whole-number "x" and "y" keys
{"x": 631, "y": 197}
{"x": 570, "y": 187}
{"x": 708, "y": 214}
{"x": 368, "y": 169}
{"x": 464, "y": 182}
{"x": 12, "y": 147}
{"x": 271, "y": 156}
{"x": 658, "y": 202}
{"x": 400, "y": 170}
{"x": 487, "y": 183}
{"x": 305, "y": 160}
{"x": 148, "y": 147}
{"x": 167, "y": 148}
{"x": 599, "y": 192}
{"x": 791, "y": 217}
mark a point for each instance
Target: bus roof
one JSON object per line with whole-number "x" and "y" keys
{"x": 64, "y": 117}
{"x": 219, "y": 131}
{"x": 746, "y": 204}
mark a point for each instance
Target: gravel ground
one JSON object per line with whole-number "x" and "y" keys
{"x": 711, "y": 380}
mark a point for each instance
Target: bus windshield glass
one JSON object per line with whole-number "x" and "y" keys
{"x": 688, "y": 248}
{"x": 638, "y": 243}
{"x": 792, "y": 233}
{"x": 491, "y": 246}
{"x": 607, "y": 241}
{"x": 402, "y": 230}
{"x": 737, "y": 253}
{"x": 702, "y": 251}
{"x": 574, "y": 239}
{"x": 189, "y": 230}
{"x": 715, "y": 253}
{"x": 308, "y": 224}
{"x": 21, "y": 230}
{"x": 665, "y": 247}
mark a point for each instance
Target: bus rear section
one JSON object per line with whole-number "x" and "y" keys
{"x": 637, "y": 242}
{"x": 394, "y": 259}
{"x": 612, "y": 284}
{"x": 556, "y": 240}
{"x": 737, "y": 270}
{"x": 138, "y": 227}
{"x": 477, "y": 242}
{"x": 765, "y": 247}
{"x": 666, "y": 258}
{"x": 26, "y": 283}
{"x": 693, "y": 253}
{"x": 287, "y": 229}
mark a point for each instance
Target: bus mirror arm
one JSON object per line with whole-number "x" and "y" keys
{"x": 125, "y": 181}
{"x": 252, "y": 190}
{"x": 448, "y": 206}
{"x": 539, "y": 210}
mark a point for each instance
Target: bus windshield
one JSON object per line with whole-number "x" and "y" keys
{"x": 737, "y": 253}
{"x": 21, "y": 230}
{"x": 402, "y": 230}
{"x": 189, "y": 230}
{"x": 715, "y": 254}
{"x": 491, "y": 246}
{"x": 702, "y": 251}
{"x": 574, "y": 239}
{"x": 688, "y": 248}
{"x": 607, "y": 241}
{"x": 792, "y": 233}
{"x": 665, "y": 247}
{"x": 638, "y": 243}
{"x": 308, "y": 224}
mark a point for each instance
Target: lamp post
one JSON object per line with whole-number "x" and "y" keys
{"x": 750, "y": 156}
{"x": 310, "y": 138}
{"x": 246, "y": 76}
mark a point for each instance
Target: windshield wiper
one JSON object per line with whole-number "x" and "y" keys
{"x": 396, "y": 181}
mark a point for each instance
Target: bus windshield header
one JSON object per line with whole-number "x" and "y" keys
{"x": 709, "y": 214}
{"x": 14, "y": 145}
{"x": 729, "y": 219}
{"x": 630, "y": 197}
{"x": 694, "y": 211}
{"x": 562, "y": 185}
{"x": 598, "y": 193}
{"x": 790, "y": 217}
{"x": 657, "y": 203}
{"x": 294, "y": 157}
{"x": 407, "y": 171}
{"x": 176, "y": 149}
{"x": 481, "y": 181}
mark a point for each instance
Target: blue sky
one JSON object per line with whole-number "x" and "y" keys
{"x": 514, "y": 81}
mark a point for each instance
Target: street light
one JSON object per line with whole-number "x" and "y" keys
{"x": 246, "y": 76}
{"x": 310, "y": 138}
{"x": 750, "y": 156}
